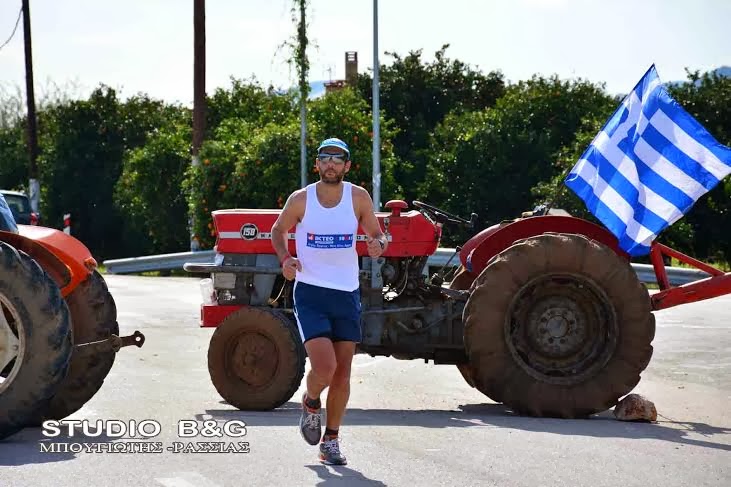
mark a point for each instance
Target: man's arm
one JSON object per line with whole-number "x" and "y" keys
{"x": 7, "y": 221}
{"x": 369, "y": 222}
{"x": 291, "y": 214}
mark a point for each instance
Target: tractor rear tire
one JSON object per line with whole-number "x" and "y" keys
{"x": 462, "y": 282}
{"x": 36, "y": 313}
{"x": 256, "y": 359}
{"x": 558, "y": 325}
{"x": 94, "y": 317}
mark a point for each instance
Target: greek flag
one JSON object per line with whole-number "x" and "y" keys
{"x": 648, "y": 166}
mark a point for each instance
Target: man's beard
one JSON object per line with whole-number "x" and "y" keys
{"x": 335, "y": 178}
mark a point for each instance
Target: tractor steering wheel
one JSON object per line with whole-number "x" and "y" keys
{"x": 441, "y": 216}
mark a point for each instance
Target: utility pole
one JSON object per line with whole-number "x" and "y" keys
{"x": 304, "y": 89}
{"x": 199, "y": 77}
{"x": 199, "y": 94}
{"x": 376, "y": 119}
{"x": 34, "y": 185}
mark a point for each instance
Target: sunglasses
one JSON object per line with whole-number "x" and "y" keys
{"x": 336, "y": 158}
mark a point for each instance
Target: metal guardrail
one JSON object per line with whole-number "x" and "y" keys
{"x": 645, "y": 272}
{"x": 677, "y": 275}
{"x": 160, "y": 262}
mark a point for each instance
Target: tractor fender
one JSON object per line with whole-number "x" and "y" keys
{"x": 68, "y": 261}
{"x": 476, "y": 253}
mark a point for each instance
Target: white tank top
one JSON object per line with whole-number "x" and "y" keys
{"x": 325, "y": 240}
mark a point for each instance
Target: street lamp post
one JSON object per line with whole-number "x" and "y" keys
{"x": 376, "y": 118}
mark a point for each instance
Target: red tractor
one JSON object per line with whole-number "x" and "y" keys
{"x": 545, "y": 313}
{"x": 58, "y": 326}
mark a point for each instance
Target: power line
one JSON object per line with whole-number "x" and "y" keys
{"x": 20, "y": 12}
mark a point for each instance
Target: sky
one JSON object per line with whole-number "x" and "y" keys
{"x": 147, "y": 45}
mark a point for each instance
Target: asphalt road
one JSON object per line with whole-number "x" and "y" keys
{"x": 409, "y": 423}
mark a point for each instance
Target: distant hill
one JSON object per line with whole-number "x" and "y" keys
{"x": 317, "y": 89}
{"x": 724, "y": 71}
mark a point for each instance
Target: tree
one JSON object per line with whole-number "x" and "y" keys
{"x": 702, "y": 232}
{"x": 11, "y": 105}
{"x": 346, "y": 115}
{"x": 14, "y": 172}
{"x": 85, "y": 145}
{"x": 555, "y": 194}
{"x": 246, "y": 100}
{"x": 80, "y": 166}
{"x": 303, "y": 68}
{"x": 250, "y": 164}
{"x": 148, "y": 192}
{"x": 708, "y": 98}
{"x": 14, "y": 166}
{"x": 487, "y": 161}
{"x": 418, "y": 95}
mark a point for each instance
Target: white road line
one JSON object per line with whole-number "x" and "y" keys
{"x": 373, "y": 361}
{"x": 193, "y": 479}
{"x": 175, "y": 482}
{"x": 697, "y": 327}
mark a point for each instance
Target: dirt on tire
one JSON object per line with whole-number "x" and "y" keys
{"x": 558, "y": 325}
{"x": 256, "y": 359}
{"x": 94, "y": 317}
{"x": 37, "y": 313}
{"x": 462, "y": 282}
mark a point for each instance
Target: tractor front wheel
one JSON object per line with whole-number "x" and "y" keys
{"x": 558, "y": 325}
{"x": 35, "y": 339}
{"x": 255, "y": 359}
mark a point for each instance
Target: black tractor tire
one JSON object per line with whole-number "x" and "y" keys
{"x": 463, "y": 281}
{"x": 39, "y": 317}
{"x": 558, "y": 325}
{"x": 94, "y": 318}
{"x": 256, "y": 359}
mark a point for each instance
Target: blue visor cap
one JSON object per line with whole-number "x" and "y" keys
{"x": 334, "y": 142}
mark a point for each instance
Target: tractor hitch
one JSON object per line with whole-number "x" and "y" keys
{"x": 111, "y": 344}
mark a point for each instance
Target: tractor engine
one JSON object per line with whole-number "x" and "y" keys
{"x": 407, "y": 316}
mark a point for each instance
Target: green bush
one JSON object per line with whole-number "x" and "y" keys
{"x": 487, "y": 162}
{"x": 450, "y": 135}
{"x": 708, "y": 98}
{"x": 417, "y": 95}
{"x": 13, "y": 158}
{"x": 148, "y": 192}
{"x": 245, "y": 165}
{"x": 346, "y": 115}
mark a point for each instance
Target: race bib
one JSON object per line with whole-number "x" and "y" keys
{"x": 329, "y": 241}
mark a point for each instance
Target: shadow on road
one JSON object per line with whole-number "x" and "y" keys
{"x": 489, "y": 415}
{"x": 25, "y": 447}
{"x": 341, "y": 475}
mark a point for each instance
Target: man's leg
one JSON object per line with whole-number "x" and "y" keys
{"x": 347, "y": 334}
{"x": 339, "y": 392}
{"x": 315, "y": 332}
{"x": 322, "y": 367}
{"x": 337, "y": 399}
{"x": 323, "y": 364}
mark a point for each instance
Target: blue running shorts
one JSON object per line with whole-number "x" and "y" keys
{"x": 323, "y": 312}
